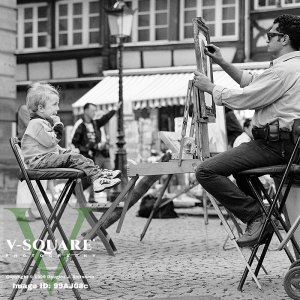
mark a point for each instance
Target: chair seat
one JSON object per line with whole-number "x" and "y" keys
{"x": 272, "y": 170}
{"x": 53, "y": 173}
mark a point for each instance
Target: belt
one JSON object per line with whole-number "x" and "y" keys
{"x": 269, "y": 134}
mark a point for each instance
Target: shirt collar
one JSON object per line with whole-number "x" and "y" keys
{"x": 286, "y": 56}
{"x": 36, "y": 116}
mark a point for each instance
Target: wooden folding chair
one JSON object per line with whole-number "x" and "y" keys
{"x": 56, "y": 213}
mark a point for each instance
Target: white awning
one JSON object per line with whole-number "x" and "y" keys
{"x": 151, "y": 90}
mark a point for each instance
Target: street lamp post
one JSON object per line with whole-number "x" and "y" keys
{"x": 120, "y": 24}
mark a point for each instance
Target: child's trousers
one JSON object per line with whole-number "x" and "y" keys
{"x": 70, "y": 160}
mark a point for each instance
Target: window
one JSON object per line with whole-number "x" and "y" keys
{"x": 263, "y": 4}
{"x": 221, "y": 17}
{"x": 77, "y": 23}
{"x": 151, "y": 20}
{"x": 167, "y": 115}
{"x": 290, "y": 3}
{"x": 32, "y": 27}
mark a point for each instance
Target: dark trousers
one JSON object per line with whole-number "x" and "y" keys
{"x": 213, "y": 174}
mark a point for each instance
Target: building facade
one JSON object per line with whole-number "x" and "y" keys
{"x": 7, "y": 97}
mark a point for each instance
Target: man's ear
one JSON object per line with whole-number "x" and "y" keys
{"x": 285, "y": 39}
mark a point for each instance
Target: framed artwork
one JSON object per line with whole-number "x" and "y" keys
{"x": 204, "y": 65}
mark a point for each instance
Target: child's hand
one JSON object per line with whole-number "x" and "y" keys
{"x": 58, "y": 129}
{"x": 56, "y": 119}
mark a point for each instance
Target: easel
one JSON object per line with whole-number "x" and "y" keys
{"x": 199, "y": 121}
{"x": 199, "y": 131}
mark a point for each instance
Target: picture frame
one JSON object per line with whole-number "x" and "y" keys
{"x": 204, "y": 65}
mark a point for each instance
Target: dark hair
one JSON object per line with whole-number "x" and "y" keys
{"x": 247, "y": 123}
{"x": 290, "y": 25}
{"x": 87, "y": 105}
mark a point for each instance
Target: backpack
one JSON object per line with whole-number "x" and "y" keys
{"x": 147, "y": 203}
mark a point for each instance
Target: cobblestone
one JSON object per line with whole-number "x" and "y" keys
{"x": 178, "y": 259}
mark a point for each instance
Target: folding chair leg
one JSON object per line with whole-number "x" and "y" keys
{"x": 59, "y": 202}
{"x": 156, "y": 205}
{"x": 240, "y": 232}
{"x": 274, "y": 210}
{"x": 232, "y": 237}
{"x": 56, "y": 224}
{"x": 289, "y": 234}
{"x": 250, "y": 261}
{"x": 65, "y": 239}
{"x": 263, "y": 254}
{"x": 26, "y": 268}
{"x": 92, "y": 220}
{"x": 269, "y": 219}
{"x": 52, "y": 238}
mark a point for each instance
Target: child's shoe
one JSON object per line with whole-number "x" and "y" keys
{"x": 101, "y": 184}
{"x": 105, "y": 173}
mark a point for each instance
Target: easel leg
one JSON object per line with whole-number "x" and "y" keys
{"x": 185, "y": 119}
{"x": 156, "y": 205}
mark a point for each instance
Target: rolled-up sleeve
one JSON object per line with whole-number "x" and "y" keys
{"x": 247, "y": 78}
{"x": 217, "y": 94}
{"x": 259, "y": 91}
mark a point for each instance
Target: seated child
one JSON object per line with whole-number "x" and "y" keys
{"x": 40, "y": 141}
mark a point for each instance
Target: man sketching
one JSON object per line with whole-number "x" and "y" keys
{"x": 274, "y": 95}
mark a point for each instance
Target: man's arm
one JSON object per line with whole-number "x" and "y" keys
{"x": 204, "y": 83}
{"x": 258, "y": 94}
{"x": 105, "y": 118}
{"x": 234, "y": 72}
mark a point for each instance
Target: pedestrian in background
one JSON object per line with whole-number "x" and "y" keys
{"x": 90, "y": 141}
{"x": 233, "y": 126}
{"x": 246, "y": 136}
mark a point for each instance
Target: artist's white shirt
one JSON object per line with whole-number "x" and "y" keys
{"x": 274, "y": 94}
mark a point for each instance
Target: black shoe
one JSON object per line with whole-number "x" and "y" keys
{"x": 251, "y": 235}
{"x": 92, "y": 200}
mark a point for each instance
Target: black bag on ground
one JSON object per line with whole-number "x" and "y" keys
{"x": 164, "y": 212}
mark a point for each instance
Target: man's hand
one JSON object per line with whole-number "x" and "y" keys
{"x": 215, "y": 55}
{"x": 203, "y": 83}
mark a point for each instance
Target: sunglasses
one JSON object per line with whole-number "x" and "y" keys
{"x": 272, "y": 34}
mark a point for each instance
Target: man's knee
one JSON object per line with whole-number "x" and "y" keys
{"x": 202, "y": 173}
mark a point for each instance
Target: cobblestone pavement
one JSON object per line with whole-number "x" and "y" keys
{"x": 178, "y": 259}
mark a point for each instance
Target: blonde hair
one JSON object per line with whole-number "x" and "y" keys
{"x": 38, "y": 94}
